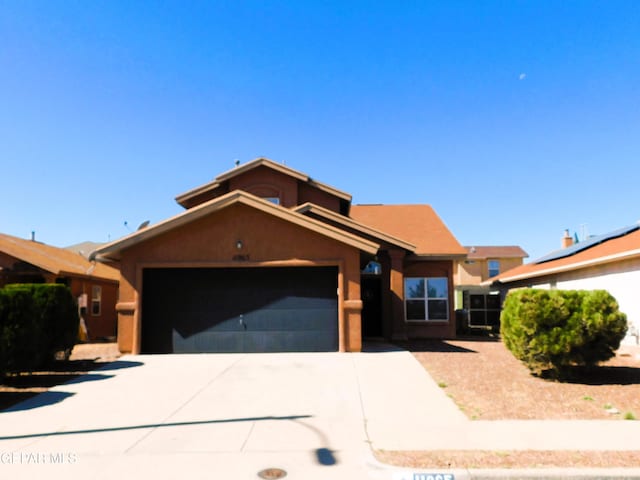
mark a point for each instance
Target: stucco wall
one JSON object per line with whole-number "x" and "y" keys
{"x": 307, "y": 193}
{"x": 477, "y": 272}
{"x": 622, "y": 281}
{"x": 103, "y": 325}
{"x": 258, "y": 180}
{"x": 267, "y": 241}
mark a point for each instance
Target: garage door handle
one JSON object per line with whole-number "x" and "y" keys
{"x": 241, "y": 321}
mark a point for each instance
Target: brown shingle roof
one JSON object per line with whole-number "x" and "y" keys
{"x": 484, "y": 252}
{"x": 416, "y": 224}
{"x": 53, "y": 259}
{"x": 612, "y": 250}
{"x": 350, "y": 222}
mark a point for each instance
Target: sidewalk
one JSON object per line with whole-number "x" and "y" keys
{"x": 392, "y": 425}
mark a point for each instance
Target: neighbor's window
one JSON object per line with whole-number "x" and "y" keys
{"x": 274, "y": 200}
{"x": 96, "y": 299}
{"x": 494, "y": 268}
{"x": 426, "y": 299}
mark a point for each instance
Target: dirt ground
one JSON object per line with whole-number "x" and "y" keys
{"x": 16, "y": 388}
{"x": 510, "y": 459}
{"x": 488, "y": 383}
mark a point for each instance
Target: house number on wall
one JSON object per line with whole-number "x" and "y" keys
{"x": 241, "y": 258}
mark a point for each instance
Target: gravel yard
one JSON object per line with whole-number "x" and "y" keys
{"x": 488, "y": 383}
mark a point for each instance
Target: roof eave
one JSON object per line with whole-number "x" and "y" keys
{"x": 331, "y": 215}
{"x": 88, "y": 276}
{"x": 112, "y": 251}
{"x": 439, "y": 256}
{"x": 185, "y": 197}
{"x": 565, "y": 268}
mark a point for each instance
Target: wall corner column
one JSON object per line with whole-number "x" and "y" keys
{"x": 394, "y": 326}
{"x": 353, "y": 330}
{"x": 126, "y": 327}
{"x": 399, "y": 326}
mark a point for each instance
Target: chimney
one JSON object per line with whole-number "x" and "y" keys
{"x": 567, "y": 240}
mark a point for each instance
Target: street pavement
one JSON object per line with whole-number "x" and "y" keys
{"x": 311, "y": 415}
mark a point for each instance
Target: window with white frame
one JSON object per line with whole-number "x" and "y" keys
{"x": 96, "y": 300}
{"x": 426, "y": 299}
{"x": 494, "y": 268}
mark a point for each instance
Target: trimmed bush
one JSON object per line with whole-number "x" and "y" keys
{"x": 551, "y": 330}
{"x": 36, "y": 321}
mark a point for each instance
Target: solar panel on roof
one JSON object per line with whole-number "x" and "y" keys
{"x": 584, "y": 245}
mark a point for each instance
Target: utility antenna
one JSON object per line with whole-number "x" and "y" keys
{"x": 584, "y": 231}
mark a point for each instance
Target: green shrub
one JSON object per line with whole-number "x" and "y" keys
{"x": 20, "y": 332}
{"x": 35, "y": 322}
{"x": 550, "y": 330}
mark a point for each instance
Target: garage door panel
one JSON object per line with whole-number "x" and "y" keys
{"x": 240, "y": 310}
{"x": 289, "y": 319}
{"x": 208, "y": 341}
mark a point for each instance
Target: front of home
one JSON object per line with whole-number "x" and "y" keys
{"x": 609, "y": 262}
{"x": 266, "y": 259}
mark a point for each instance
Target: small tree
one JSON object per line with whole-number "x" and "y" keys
{"x": 554, "y": 329}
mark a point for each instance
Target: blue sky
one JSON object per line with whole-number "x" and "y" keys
{"x": 514, "y": 119}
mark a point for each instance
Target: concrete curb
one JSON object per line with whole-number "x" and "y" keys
{"x": 385, "y": 471}
{"x": 557, "y": 473}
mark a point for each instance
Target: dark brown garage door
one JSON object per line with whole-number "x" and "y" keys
{"x": 240, "y": 310}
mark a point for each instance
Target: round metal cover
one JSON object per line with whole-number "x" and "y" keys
{"x": 272, "y": 473}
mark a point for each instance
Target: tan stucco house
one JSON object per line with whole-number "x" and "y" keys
{"x": 480, "y": 305}
{"x": 265, "y": 258}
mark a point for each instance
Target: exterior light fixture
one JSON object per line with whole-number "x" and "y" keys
{"x": 239, "y": 244}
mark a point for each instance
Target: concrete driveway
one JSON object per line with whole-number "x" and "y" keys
{"x": 314, "y": 415}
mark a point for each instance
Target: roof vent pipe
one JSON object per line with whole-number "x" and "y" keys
{"x": 33, "y": 236}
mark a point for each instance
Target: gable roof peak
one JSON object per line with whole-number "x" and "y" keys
{"x": 184, "y": 198}
{"x": 258, "y": 162}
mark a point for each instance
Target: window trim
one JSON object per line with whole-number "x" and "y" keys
{"x": 426, "y": 300}
{"x": 96, "y": 300}
{"x": 274, "y": 200}
{"x": 489, "y": 269}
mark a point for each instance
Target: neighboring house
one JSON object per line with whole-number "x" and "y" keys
{"x": 482, "y": 306}
{"x": 610, "y": 262}
{"x": 84, "y": 248}
{"x": 94, "y": 285}
{"x": 266, "y": 258}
